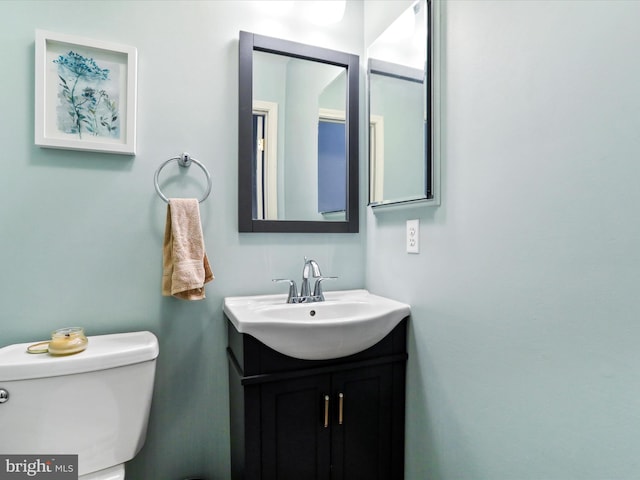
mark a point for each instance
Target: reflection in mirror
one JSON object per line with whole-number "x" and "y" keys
{"x": 399, "y": 108}
{"x": 289, "y": 97}
{"x": 298, "y": 137}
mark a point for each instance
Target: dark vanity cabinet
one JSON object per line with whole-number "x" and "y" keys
{"x": 338, "y": 419}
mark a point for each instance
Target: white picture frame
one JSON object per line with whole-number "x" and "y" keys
{"x": 85, "y": 97}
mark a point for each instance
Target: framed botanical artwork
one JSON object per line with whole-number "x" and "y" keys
{"x": 85, "y": 94}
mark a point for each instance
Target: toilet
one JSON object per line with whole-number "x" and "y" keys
{"x": 94, "y": 403}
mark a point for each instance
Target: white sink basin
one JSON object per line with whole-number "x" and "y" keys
{"x": 347, "y": 322}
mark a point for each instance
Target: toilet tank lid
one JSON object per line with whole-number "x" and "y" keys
{"x": 103, "y": 352}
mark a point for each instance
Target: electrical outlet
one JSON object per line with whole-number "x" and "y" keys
{"x": 413, "y": 236}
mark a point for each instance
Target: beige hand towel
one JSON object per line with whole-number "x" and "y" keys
{"x": 185, "y": 266}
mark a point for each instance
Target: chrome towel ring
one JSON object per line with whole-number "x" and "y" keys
{"x": 184, "y": 160}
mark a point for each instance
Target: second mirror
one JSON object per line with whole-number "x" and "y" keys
{"x": 401, "y": 123}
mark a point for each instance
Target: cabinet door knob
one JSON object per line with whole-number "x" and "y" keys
{"x": 326, "y": 411}
{"x": 340, "y": 408}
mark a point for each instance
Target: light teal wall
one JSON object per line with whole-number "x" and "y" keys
{"x": 82, "y": 232}
{"x": 523, "y": 356}
{"x": 524, "y": 353}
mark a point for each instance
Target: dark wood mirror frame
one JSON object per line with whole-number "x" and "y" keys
{"x": 249, "y": 43}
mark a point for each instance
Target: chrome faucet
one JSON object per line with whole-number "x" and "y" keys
{"x": 311, "y": 269}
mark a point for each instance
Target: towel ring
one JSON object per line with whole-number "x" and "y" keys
{"x": 184, "y": 160}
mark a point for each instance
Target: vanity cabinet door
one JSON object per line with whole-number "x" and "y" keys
{"x": 362, "y": 440}
{"x": 295, "y": 441}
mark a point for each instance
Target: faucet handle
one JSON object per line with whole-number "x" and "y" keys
{"x": 293, "y": 290}
{"x": 317, "y": 288}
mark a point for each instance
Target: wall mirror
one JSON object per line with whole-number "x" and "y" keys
{"x": 400, "y": 110}
{"x": 298, "y": 137}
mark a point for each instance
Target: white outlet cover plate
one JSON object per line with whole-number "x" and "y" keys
{"x": 413, "y": 236}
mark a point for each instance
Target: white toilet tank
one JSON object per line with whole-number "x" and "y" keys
{"x": 94, "y": 404}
